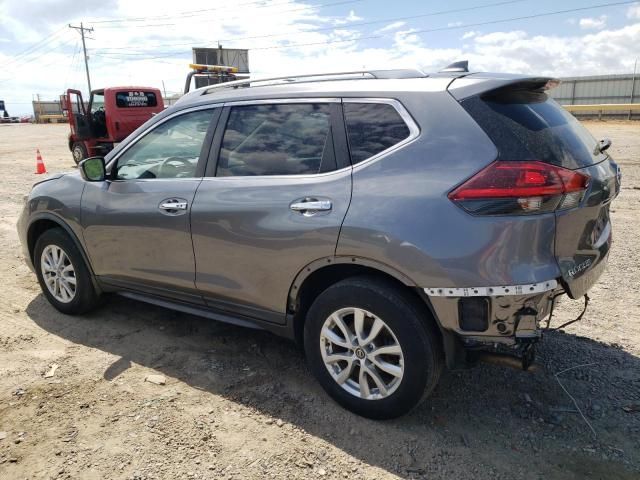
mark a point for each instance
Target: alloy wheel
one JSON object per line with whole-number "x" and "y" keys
{"x": 361, "y": 353}
{"x": 58, "y": 273}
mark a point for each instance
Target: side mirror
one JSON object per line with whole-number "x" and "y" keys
{"x": 93, "y": 169}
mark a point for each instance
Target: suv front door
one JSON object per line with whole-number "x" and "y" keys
{"x": 136, "y": 224}
{"x": 274, "y": 197}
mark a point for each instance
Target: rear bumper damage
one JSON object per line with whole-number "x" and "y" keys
{"x": 499, "y": 320}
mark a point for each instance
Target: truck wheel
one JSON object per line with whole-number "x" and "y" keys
{"x": 79, "y": 152}
{"x": 372, "y": 348}
{"x": 63, "y": 276}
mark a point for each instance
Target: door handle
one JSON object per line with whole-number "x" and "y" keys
{"x": 173, "y": 206}
{"x": 310, "y": 207}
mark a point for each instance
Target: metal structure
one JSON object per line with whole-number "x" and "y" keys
{"x": 232, "y": 57}
{"x": 600, "y": 89}
{"x": 47, "y": 111}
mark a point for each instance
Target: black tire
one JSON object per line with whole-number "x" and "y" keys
{"x": 412, "y": 326}
{"x": 79, "y": 152}
{"x": 85, "y": 297}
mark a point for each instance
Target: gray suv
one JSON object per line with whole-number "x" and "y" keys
{"x": 390, "y": 222}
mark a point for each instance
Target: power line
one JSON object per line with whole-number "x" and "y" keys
{"x": 36, "y": 58}
{"x": 351, "y": 25}
{"x": 76, "y": 51}
{"x": 452, "y": 27}
{"x": 190, "y": 13}
{"x": 306, "y": 7}
{"x": 44, "y": 42}
{"x": 525, "y": 17}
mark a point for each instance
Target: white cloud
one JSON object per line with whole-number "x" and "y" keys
{"x": 352, "y": 17}
{"x": 454, "y": 24}
{"x": 501, "y": 37}
{"x": 390, "y": 27}
{"x": 593, "y": 23}
{"x": 634, "y": 12}
{"x": 469, "y": 34}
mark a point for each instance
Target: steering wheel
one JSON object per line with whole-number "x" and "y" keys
{"x": 173, "y": 165}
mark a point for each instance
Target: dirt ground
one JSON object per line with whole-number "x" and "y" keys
{"x": 241, "y": 403}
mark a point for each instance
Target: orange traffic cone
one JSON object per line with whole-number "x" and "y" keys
{"x": 40, "y": 168}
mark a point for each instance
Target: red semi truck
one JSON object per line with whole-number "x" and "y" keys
{"x": 109, "y": 117}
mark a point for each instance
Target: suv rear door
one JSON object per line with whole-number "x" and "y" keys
{"x": 277, "y": 188}
{"x": 526, "y": 124}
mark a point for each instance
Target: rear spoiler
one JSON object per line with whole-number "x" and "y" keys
{"x": 494, "y": 84}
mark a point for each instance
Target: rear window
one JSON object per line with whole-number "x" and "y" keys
{"x": 372, "y": 128}
{"x": 136, "y": 99}
{"x": 529, "y": 125}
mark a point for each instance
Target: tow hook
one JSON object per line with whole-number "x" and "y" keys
{"x": 528, "y": 356}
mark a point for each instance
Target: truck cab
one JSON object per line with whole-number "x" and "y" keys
{"x": 109, "y": 117}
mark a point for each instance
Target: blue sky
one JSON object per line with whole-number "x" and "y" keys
{"x": 148, "y": 41}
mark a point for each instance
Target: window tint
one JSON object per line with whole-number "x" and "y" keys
{"x": 136, "y": 99}
{"x": 279, "y": 139}
{"x": 171, "y": 150}
{"x": 528, "y": 125}
{"x": 372, "y": 128}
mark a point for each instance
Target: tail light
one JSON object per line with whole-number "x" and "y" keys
{"x": 515, "y": 188}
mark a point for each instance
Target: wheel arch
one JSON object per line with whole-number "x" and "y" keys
{"x": 320, "y": 274}
{"x": 47, "y": 221}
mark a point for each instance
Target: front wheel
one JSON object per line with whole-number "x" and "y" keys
{"x": 62, "y": 273}
{"x": 372, "y": 348}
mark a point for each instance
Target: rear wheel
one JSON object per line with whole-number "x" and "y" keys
{"x": 79, "y": 152}
{"x": 63, "y": 276}
{"x": 372, "y": 347}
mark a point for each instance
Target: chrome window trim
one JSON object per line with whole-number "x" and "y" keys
{"x": 270, "y": 177}
{"x": 414, "y": 129}
{"x": 414, "y": 132}
{"x": 280, "y": 101}
{"x": 153, "y": 127}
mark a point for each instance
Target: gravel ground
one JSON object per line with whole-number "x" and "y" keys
{"x": 241, "y": 404}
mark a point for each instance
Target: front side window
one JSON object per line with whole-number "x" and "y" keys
{"x": 278, "y": 139}
{"x": 171, "y": 150}
{"x": 372, "y": 128}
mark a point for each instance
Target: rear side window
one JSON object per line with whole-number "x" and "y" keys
{"x": 278, "y": 139}
{"x": 132, "y": 99}
{"x": 528, "y": 125}
{"x": 372, "y": 128}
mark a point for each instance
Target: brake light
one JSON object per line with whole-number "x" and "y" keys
{"x": 520, "y": 187}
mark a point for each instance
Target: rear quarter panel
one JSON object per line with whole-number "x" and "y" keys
{"x": 400, "y": 214}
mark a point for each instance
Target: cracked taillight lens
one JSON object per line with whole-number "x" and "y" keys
{"x": 521, "y": 187}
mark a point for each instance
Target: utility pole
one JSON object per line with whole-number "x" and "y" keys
{"x": 82, "y": 29}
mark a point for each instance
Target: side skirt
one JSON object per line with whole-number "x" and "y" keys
{"x": 210, "y": 313}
